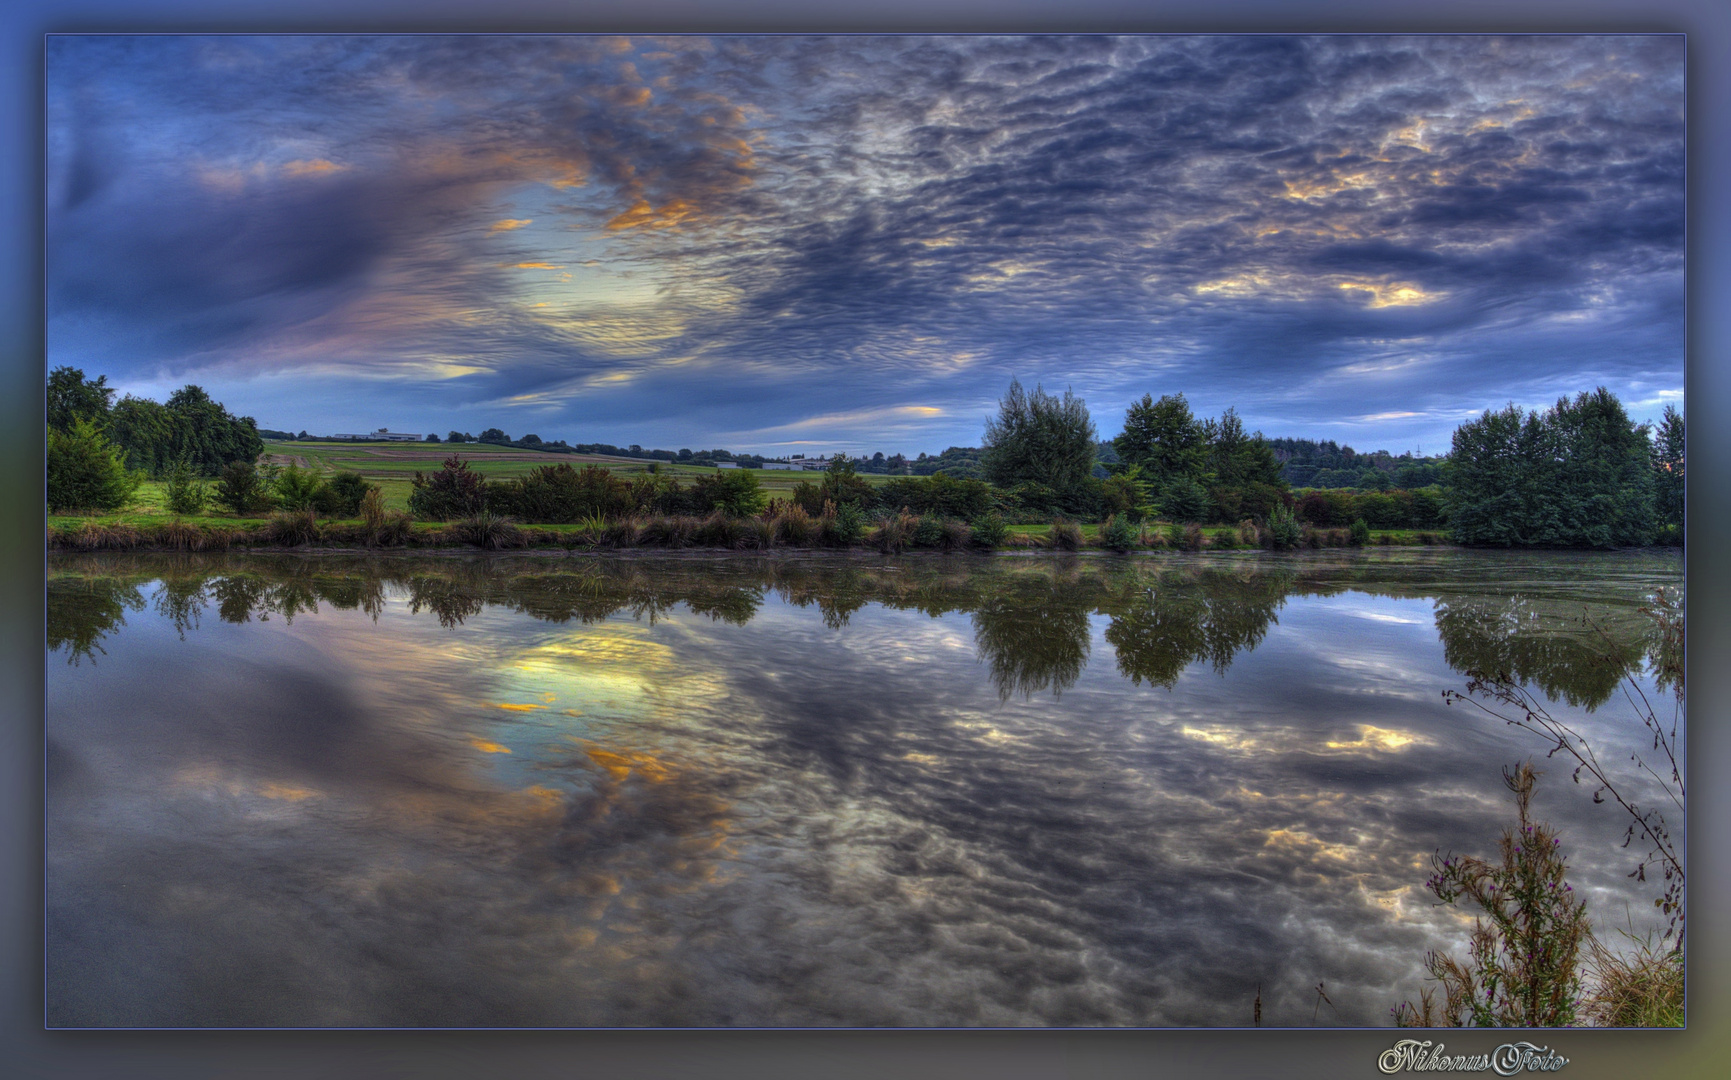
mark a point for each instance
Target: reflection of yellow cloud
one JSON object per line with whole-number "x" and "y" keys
{"x": 515, "y": 707}
{"x": 1304, "y": 845}
{"x": 487, "y": 746}
{"x": 1220, "y": 736}
{"x": 538, "y": 266}
{"x": 507, "y": 224}
{"x": 1385, "y": 740}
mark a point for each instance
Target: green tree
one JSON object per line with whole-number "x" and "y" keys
{"x": 240, "y": 490}
{"x": 185, "y": 494}
{"x": 1041, "y": 438}
{"x": 1125, "y": 495}
{"x": 843, "y": 485}
{"x": 455, "y": 491}
{"x": 494, "y": 435}
{"x": 297, "y": 488}
{"x": 207, "y": 435}
{"x": 1183, "y": 500}
{"x": 72, "y": 397}
{"x": 734, "y": 492}
{"x": 1668, "y": 471}
{"x": 145, "y": 432}
{"x": 86, "y": 471}
{"x": 1578, "y": 475}
{"x": 1163, "y": 438}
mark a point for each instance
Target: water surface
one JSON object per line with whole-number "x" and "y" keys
{"x": 800, "y": 790}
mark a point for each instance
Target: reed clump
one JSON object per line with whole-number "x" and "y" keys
{"x": 486, "y": 530}
{"x": 1640, "y": 989}
{"x": 718, "y": 530}
{"x": 292, "y": 528}
{"x": 893, "y": 534}
{"x": 669, "y": 532}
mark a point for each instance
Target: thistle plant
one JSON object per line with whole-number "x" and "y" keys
{"x": 1523, "y": 959}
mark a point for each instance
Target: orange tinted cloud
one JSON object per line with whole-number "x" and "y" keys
{"x": 670, "y": 215}
{"x": 315, "y": 167}
{"x": 508, "y": 224}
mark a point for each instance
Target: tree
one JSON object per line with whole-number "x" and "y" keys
{"x": 1668, "y": 471}
{"x": 457, "y": 437}
{"x": 432, "y": 436}
{"x": 72, "y": 397}
{"x": 240, "y": 488}
{"x": 86, "y": 471}
{"x": 735, "y": 492}
{"x": 1183, "y": 500}
{"x": 1578, "y": 475}
{"x": 843, "y": 486}
{"x": 184, "y": 493}
{"x": 530, "y": 440}
{"x": 1162, "y": 437}
{"x": 207, "y": 435}
{"x": 495, "y": 436}
{"x": 455, "y": 491}
{"x": 146, "y": 434}
{"x": 1040, "y": 438}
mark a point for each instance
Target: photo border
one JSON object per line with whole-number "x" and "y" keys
{"x": 1701, "y": 1050}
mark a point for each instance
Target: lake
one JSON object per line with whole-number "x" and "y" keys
{"x": 832, "y": 790}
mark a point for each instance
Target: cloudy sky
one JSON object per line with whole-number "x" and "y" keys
{"x": 811, "y": 244}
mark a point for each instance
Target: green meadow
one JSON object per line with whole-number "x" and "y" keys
{"x": 392, "y": 466}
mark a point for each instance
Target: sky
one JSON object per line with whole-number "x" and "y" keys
{"x": 811, "y": 244}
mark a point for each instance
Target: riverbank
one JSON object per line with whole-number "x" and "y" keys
{"x": 304, "y": 532}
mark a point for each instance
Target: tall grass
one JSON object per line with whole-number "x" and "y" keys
{"x": 292, "y": 528}
{"x": 488, "y": 531}
{"x": 1065, "y": 536}
{"x": 794, "y": 527}
{"x": 894, "y": 533}
{"x": 1642, "y": 988}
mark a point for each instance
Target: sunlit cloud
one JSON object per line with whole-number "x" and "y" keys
{"x": 315, "y": 167}
{"x": 799, "y": 221}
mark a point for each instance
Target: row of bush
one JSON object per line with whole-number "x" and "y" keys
{"x": 1419, "y": 508}
{"x": 787, "y": 526}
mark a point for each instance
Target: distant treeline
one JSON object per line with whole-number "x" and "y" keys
{"x": 1327, "y": 464}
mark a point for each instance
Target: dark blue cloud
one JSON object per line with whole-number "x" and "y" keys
{"x": 875, "y": 222}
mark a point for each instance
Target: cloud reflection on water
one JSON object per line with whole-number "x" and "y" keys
{"x": 728, "y": 808}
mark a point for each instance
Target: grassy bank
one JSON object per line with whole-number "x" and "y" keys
{"x": 149, "y": 527}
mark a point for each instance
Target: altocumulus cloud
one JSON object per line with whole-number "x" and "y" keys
{"x": 725, "y": 238}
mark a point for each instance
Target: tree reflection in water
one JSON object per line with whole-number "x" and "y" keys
{"x": 1032, "y": 618}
